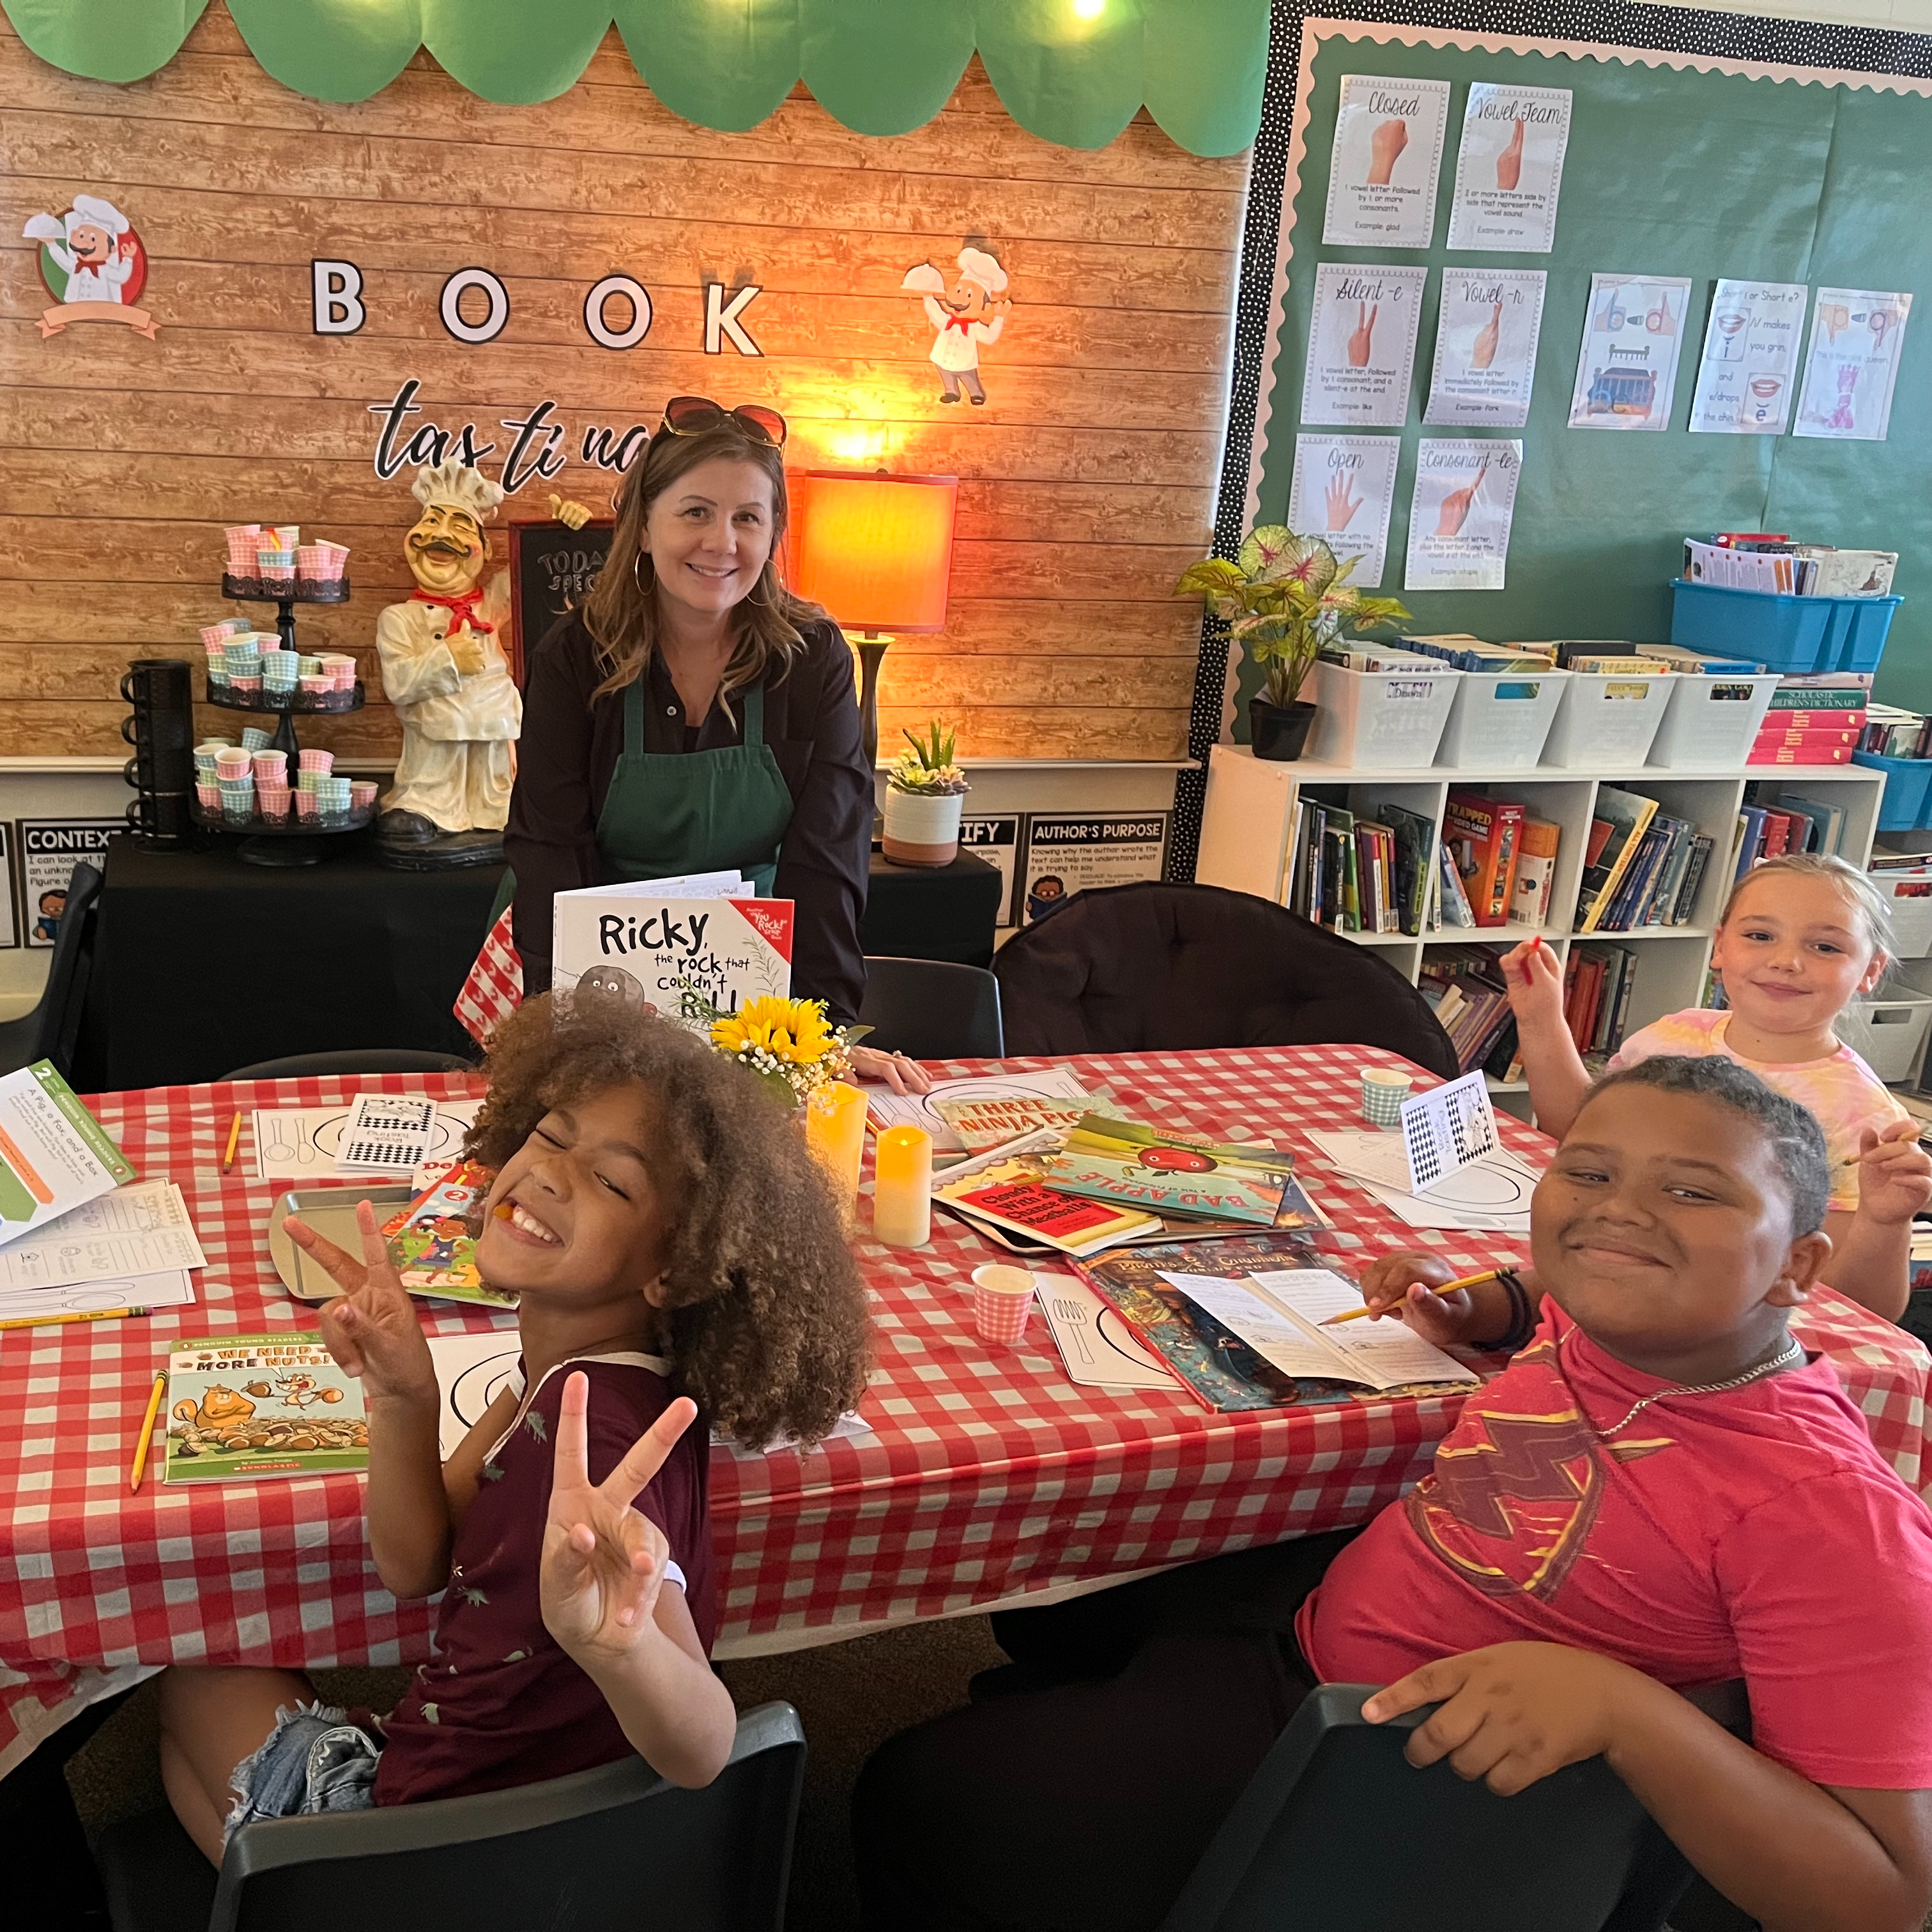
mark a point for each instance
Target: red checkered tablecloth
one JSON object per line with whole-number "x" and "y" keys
{"x": 989, "y": 1474}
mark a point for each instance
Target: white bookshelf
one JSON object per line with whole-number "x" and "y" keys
{"x": 1249, "y": 819}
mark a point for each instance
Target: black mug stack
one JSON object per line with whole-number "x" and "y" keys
{"x": 162, "y": 770}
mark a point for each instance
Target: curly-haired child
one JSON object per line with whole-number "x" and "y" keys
{"x": 675, "y": 1252}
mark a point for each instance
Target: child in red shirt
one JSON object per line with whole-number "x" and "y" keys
{"x": 669, "y": 1237}
{"x": 1659, "y": 1491}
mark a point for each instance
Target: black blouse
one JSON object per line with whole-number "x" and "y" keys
{"x": 570, "y": 747}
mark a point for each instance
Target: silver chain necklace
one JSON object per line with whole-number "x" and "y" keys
{"x": 1793, "y": 1350}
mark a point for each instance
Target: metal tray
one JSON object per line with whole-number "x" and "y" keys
{"x": 331, "y": 1212}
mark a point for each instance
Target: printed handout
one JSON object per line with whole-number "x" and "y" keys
{"x": 1344, "y": 488}
{"x": 1459, "y": 516}
{"x": 1627, "y": 367}
{"x": 1388, "y": 156}
{"x": 1361, "y": 344}
{"x": 1485, "y": 347}
{"x": 1751, "y": 349}
{"x": 143, "y": 1228}
{"x": 1852, "y": 366}
{"x": 1509, "y": 170}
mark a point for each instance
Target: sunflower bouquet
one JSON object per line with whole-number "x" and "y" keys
{"x": 789, "y": 1044}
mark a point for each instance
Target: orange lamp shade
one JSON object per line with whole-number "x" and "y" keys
{"x": 876, "y": 549}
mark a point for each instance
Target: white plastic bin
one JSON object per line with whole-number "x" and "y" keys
{"x": 1909, "y": 894}
{"x": 1377, "y": 720}
{"x": 1888, "y": 1033}
{"x": 1501, "y": 719}
{"x": 1606, "y": 720}
{"x": 1712, "y": 720}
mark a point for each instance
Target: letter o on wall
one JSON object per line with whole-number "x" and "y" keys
{"x": 601, "y": 332}
{"x": 491, "y": 326}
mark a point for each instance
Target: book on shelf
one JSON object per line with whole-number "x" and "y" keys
{"x": 1415, "y": 898}
{"x": 1536, "y": 847}
{"x": 1704, "y": 663}
{"x": 1465, "y": 986}
{"x": 1627, "y": 816}
{"x": 1483, "y": 834}
{"x": 1451, "y": 896}
{"x": 1891, "y": 733}
{"x": 1827, "y": 822}
{"x": 1467, "y": 653}
{"x": 1597, "y": 985}
{"x": 1612, "y": 664}
{"x": 1803, "y": 755}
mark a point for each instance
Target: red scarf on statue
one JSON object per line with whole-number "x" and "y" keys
{"x": 466, "y": 609}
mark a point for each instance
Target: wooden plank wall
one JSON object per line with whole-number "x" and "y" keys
{"x": 1085, "y": 482}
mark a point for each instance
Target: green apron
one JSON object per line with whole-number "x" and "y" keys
{"x": 668, "y": 813}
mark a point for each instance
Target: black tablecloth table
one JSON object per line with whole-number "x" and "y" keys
{"x": 203, "y": 964}
{"x": 932, "y": 912}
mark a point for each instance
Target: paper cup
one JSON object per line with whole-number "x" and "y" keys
{"x": 254, "y": 738}
{"x": 245, "y": 683}
{"x": 282, "y": 536}
{"x": 335, "y": 555}
{"x": 244, "y": 544}
{"x": 271, "y": 766}
{"x": 208, "y": 797}
{"x": 362, "y": 794}
{"x": 273, "y": 800}
{"x": 1384, "y": 1090}
{"x": 231, "y": 764}
{"x": 307, "y": 806}
{"x": 317, "y": 761}
{"x": 312, "y": 564}
{"x": 316, "y": 687}
{"x": 1002, "y": 1300}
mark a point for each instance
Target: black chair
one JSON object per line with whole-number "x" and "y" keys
{"x": 366, "y": 1060}
{"x": 52, "y": 1031}
{"x": 932, "y": 1009}
{"x": 616, "y": 1846}
{"x": 1149, "y": 968}
{"x": 1338, "y": 1830}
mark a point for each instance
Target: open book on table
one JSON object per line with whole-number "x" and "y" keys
{"x": 1278, "y": 1312}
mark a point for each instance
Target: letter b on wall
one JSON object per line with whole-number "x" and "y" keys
{"x": 337, "y": 287}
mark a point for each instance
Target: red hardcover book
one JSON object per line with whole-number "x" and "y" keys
{"x": 1816, "y": 755}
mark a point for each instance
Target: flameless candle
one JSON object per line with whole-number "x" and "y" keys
{"x": 835, "y": 1130}
{"x": 902, "y": 1188}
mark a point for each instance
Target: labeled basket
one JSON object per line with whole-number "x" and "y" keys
{"x": 1379, "y": 720}
{"x": 1712, "y": 720}
{"x": 1888, "y": 1034}
{"x": 1501, "y": 719}
{"x": 1906, "y": 805}
{"x": 1908, "y": 895}
{"x": 1607, "y": 720}
{"x": 1798, "y": 636}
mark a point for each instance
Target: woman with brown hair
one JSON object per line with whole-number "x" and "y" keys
{"x": 694, "y": 715}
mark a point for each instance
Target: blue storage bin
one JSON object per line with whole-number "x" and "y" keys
{"x": 1906, "y": 805}
{"x": 1795, "y": 635}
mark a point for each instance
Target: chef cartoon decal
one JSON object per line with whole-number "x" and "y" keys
{"x": 93, "y": 264}
{"x": 974, "y": 310}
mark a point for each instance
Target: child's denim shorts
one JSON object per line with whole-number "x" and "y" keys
{"x": 314, "y": 1760}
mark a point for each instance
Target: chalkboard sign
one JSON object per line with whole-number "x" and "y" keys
{"x": 552, "y": 568}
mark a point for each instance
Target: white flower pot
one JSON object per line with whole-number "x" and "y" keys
{"x": 922, "y": 828}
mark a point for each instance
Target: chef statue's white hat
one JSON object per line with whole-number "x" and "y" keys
{"x": 976, "y": 265}
{"x": 456, "y": 487}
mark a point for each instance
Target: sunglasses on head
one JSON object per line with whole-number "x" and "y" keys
{"x": 693, "y": 415}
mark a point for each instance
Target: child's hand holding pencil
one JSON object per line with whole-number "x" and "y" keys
{"x": 1426, "y": 1292}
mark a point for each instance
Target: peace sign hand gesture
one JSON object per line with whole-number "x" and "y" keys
{"x": 604, "y": 1562}
{"x": 371, "y": 1327}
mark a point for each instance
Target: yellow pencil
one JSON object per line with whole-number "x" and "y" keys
{"x": 234, "y": 1141}
{"x": 87, "y": 1315}
{"x": 1447, "y": 1288}
{"x": 161, "y": 1389}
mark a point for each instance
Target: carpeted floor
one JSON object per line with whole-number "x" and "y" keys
{"x": 852, "y": 1696}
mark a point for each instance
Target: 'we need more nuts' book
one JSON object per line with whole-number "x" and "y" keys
{"x": 676, "y": 947}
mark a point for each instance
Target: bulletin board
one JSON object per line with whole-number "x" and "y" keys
{"x": 1692, "y": 158}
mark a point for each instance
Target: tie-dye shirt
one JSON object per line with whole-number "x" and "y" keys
{"x": 1842, "y": 1091}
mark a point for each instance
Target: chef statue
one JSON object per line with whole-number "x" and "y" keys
{"x": 444, "y": 670}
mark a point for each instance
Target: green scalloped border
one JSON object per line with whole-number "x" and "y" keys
{"x": 880, "y": 67}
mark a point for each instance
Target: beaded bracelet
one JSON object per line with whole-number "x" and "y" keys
{"x": 1523, "y": 1314}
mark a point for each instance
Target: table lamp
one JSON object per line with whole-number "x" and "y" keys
{"x": 876, "y": 549}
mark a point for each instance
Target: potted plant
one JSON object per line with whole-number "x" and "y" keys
{"x": 1283, "y": 597}
{"x": 925, "y": 791}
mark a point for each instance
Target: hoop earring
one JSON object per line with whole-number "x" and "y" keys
{"x": 635, "y": 578}
{"x": 763, "y": 603}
